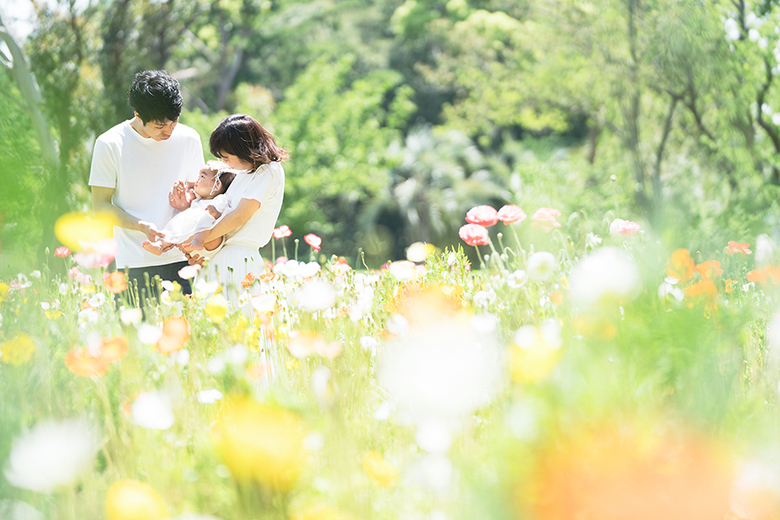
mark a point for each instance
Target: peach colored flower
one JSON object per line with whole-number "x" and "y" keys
{"x": 175, "y": 333}
{"x": 544, "y": 219}
{"x": 510, "y": 214}
{"x": 115, "y": 282}
{"x": 189, "y": 271}
{"x": 702, "y": 289}
{"x": 282, "y": 232}
{"x": 766, "y": 274}
{"x": 680, "y": 265}
{"x": 736, "y": 247}
{"x": 248, "y": 280}
{"x": 313, "y": 240}
{"x": 709, "y": 269}
{"x": 624, "y": 228}
{"x": 474, "y": 235}
{"x": 94, "y": 362}
{"x": 482, "y": 215}
{"x": 266, "y": 277}
{"x": 62, "y": 252}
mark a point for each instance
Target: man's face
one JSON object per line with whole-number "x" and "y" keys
{"x": 158, "y": 130}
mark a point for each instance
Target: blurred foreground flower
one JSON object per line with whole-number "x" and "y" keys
{"x": 93, "y": 361}
{"x": 216, "y": 308}
{"x": 152, "y": 410}
{"x": 78, "y": 230}
{"x": 680, "y": 265}
{"x": 709, "y": 269}
{"x": 260, "y": 443}
{"x": 623, "y": 228}
{"x": 608, "y": 275}
{"x": 422, "y": 305}
{"x": 620, "y": 473}
{"x": 316, "y": 295}
{"x": 51, "y": 455}
{"x": 17, "y": 350}
{"x": 534, "y": 352}
{"x": 441, "y": 371}
{"x": 541, "y": 266}
{"x": 175, "y": 333}
{"x": 132, "y": 500}
{"x": 419, "y": 252}
{"x": 379, "y": 469}
{"x": 97, "y": 254}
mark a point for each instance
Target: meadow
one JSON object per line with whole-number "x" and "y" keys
{"x": 567, "y": 374}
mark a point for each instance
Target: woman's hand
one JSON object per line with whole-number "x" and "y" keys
{"x": 181, "y": 195}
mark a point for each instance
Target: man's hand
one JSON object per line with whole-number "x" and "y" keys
{"x": 150, "y": 230}
{"x": 181, "y": 195}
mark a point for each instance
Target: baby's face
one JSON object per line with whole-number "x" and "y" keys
{"x": 205, "y": 183}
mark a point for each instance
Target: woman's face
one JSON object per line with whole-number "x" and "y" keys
{"x": 235, "y": 162}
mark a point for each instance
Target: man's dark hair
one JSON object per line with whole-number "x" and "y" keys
{"x": 155, "y": 96}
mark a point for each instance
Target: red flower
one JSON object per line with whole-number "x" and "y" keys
{"x": 736, "y": 247}
{"x": 510, "y": 214}
{"x": 62, "y": 252}
{"x": 482, "y": 216}
{"x": 313, "y": 240}
{"x": 544, "y": 219}
{"x": 281, "y": 232}
{"x": 474, "y": 235}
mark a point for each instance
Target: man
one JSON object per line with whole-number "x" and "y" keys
{"x": 134, "y": 166}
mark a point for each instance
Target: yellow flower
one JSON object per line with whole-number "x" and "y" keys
{"x": 133, "y": 500}
{"x": 320, "y": 513}
{"x": 4, "y": 287}
{"x": 260, "y": 443}
{"x": 216, "y": 308}
{"x": 76, "y": 229}
{"x": 236, "y": 332}
{"x": 380, "y": 470}
{"x": 534, "y": 352}
{"x": 17, "y": 350}
{"x": 293, "y": 364}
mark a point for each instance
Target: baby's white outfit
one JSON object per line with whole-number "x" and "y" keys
{"x": 194, "y": 220}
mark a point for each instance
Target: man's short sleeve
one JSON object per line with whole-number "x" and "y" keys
{"x": 103, "y": 172}
{"x": 196, "y": 160}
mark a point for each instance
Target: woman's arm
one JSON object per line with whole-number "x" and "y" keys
{"x": 229, "y": 221}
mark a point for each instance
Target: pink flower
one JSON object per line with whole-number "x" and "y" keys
{"x": 281, "y": 232}
{"x": 482, "y": 215}
{"x": 474, "y": 235}
{"x": 544, "y": 219}
{"x": 313, "y": 240}
{"x": 736, "y": 247}
{"x": 510, "y": 214}
{"x": 282, "y": 260}
{"x": 73, "y": 272}
{"x": 99, "y": 254}
{"x": 189, "y": 271}
{"x": 624, "y": 228}
{"x": 62, "y": 252}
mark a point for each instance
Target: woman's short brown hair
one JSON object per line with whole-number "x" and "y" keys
{"x": 244, "y": 137}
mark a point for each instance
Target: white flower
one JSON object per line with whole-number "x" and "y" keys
{"x": 210, "y": 396}
{"x": 237, "y": 354}
{"x": 541, "y": 266}
{"x": 484, "y": 298}
{"x": 433, "y": 436}
{"x": 484, "y": 323}
{"x": 732, "y": 29}
{"x": 88, "y": 315}
{"x": 451, "y": 259}
{"x": 131, "y": 316}
{"x": 149, "y": 334}
{"x": 216, "y": 365}
{"x": 18, "y": 510}
{"x": 384, "y": 411}
{"x": 97, "y": 300}
{"x": 446, "y": 370}
{"x": 152, "y": 410}
{"x": 369, "y": 343}
{"x": 322, "y": 386}
{"x": 309, "y": 269}
{"x": 202, "y": 286}
{"x": 517, "y": 279}
{"x": 765, "y": 250}
{"x": 605, "y": 275}
{"x": 181, "y": 357}
{"x": 36, "y": 274}
{"x": 397, "y": 325}
{"x": 317, "y": 295}
{"x": 667, "y": 290}
{"x": 51, "y": 455}
{"x": 592, "y": 241}
{"x": 403, "y": 270}
{"x": 263, "y": 302}
{"x": 419, "y": 252}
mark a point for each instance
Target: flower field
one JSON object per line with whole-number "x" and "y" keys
{"x": 569, "y": 373}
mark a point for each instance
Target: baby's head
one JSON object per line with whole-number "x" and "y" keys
{"x": 213, "y": 179}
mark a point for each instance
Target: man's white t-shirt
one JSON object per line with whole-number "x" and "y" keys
{"x": 142, "y": 172}
{"x": 266, "y": 186}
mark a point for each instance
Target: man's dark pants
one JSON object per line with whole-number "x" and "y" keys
{"x": 165, "y": 272}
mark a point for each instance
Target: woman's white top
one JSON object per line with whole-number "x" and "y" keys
{"x": 266, "y": 186}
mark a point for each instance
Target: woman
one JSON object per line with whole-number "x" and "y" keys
{"x": 256, "y": 200}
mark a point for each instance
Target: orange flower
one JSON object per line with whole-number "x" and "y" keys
{"x": 709, "y": 269}
{"x": 736, "y": 247}
{"x": 115, "y": 282}
{"x": 257, "y": 371}
{"x": 82, "y": 363}
{"x": 175, "y": 333}
{"x": 86, "y": 362}
{"x": 764, "y": 275}
{"x": 704, "y": 288}
{"x": 248, "y": 280}
{"x": 730, "y": 285}
{"x": 680, "y": 265}
{"x": 424, "y": 305}
{"x": 557, "y": 297}
{"x": 266, "y": 277}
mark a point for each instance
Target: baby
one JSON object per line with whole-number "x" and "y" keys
{"x": 210, "y": 203}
